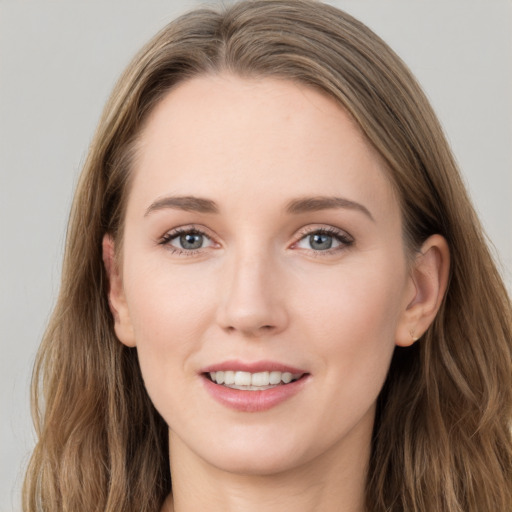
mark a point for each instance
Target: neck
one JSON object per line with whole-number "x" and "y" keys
{"x": 333, "y": 482}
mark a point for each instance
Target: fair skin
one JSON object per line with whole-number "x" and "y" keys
{"x": 258, "y": 277}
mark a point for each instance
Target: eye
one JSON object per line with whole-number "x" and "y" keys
{"x": 186, "y": 240}
{"x": 325, "y": 240}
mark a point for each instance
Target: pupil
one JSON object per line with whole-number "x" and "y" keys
{"x": 191, "y": 241}
{"x": 320, "y": 241}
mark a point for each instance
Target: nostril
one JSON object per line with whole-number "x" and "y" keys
{"x": 249, "y": 330}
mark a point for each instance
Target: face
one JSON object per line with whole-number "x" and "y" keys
{"x": 263, "y": 277}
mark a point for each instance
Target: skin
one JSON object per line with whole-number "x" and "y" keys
{"x": 257, "y": 289}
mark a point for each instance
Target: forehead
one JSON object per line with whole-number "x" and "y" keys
{"x": 258, "y": 138}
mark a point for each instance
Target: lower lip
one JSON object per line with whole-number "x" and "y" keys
{"x": 253, "y": 401}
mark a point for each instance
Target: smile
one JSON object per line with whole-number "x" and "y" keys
{"x": 258, "y": 381}
{"x": 253, "y": 387}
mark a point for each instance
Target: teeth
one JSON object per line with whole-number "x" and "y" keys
{"x": 260, "y": 379}
{"x": 275, "y": 377}
{"x": 286, "y": 377}
{"x": 246, "y": 380}
{"x": 242, "y": 379}
{"x": 217, "y": 377}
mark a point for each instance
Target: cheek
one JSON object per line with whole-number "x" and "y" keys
{"x": 365, "y": 294}
{"x": 169, "y": 313}
{"x": 164, "y": 298}
{"x": 353, "y": 330}
{"x": 353, "y": 315}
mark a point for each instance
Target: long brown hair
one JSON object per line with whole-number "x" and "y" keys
{"x": 442, "y": 436}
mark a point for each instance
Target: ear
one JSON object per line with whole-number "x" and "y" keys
{"x": 426, "y": 288}
{"x": 116, "y": 296}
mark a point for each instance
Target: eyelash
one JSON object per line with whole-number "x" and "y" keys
{"x": 175, "y": 233}
{"x": 343, "y": 238}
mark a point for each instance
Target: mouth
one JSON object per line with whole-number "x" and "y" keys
{"x": 253, "y": 387}
{"x": 247, "y": 381}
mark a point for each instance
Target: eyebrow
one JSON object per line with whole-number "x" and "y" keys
{"x": 317, "y": 203}
{"x": 296, "y": 206}
{"x": 187, "y": 203}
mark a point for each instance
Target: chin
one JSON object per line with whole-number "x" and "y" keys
{"x": 262, "y": 455}
{"x": 257, "y": 465}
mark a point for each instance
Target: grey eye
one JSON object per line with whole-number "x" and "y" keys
{"x": 324, "y": 240}
{"x": 186, "y": 241}
{"x": 320, "y": 241}
{"x": 190, "y": 241}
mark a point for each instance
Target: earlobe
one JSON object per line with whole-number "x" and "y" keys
{"x": 116, "y": 296}
{"x": 428, "y": 282}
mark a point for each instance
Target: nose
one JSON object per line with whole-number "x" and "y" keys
{"x": 252, "y": 297}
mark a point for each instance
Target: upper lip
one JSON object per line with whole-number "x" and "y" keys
{"x": 252, "y": 367}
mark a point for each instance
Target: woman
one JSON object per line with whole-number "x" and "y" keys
{"x": 275, "y": 291}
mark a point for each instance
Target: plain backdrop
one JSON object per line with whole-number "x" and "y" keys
{"x": 58, "y": 63}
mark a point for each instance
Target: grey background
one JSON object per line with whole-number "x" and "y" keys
{"x": 60, "y": 59}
